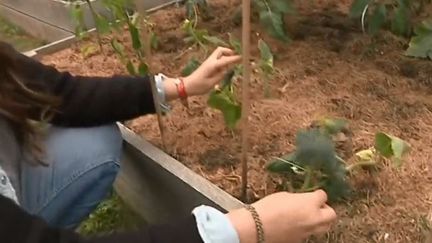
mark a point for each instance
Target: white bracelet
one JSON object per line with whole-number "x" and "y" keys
{"x": 214, "y": 226}
{"x": 159, "y": 80}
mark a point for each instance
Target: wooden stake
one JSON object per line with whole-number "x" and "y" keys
{"x": 246, "y": 29}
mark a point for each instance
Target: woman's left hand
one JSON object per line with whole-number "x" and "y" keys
{"x": 211, "y": 72}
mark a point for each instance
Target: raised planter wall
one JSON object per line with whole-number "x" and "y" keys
{"x": 51, "y": 20}
{"x": 152, "y": 183}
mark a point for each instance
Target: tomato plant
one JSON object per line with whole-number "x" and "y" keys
{"x": 315, "y": 163}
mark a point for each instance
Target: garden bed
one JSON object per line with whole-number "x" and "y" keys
{"x": 330, "y": 69}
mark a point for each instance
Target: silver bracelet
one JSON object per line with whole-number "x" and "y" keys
{"x": 159, "y": 80}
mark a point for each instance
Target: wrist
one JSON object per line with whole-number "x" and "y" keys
{"x": 244, "y": 224}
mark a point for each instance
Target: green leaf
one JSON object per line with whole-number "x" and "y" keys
{"x": 190, "y": 67}
{"x": 131, "y": 68}
{"x": 266, "y": 62}
{"x": 215, "y": 40}
{"x": 358, "y": 7}
{"x": 284, "y": 6}
{"x": 88, "y": 50}
{"x": 337, "y": 188}
{"x": 316, "y": 150}
{"x": 143, "y": 69}
{"x": 102, "y": 24}
{"x": 383, "y": 144}
{"x": 134, "y": 33}
{"x": 284, "y": 164}
{"x": 401, "y": 23}
{"x": 78, "y": 17}
{"x": 421, "y": 45}
{"x": 235, "y": 44}
{"x": 154, "y": 41}
{"x": 333, "y": 125}
{"x": 391, "y": 147}
{"x": 377, "y": 20}
{"x": 223, "y": 101}
{"x": 366, "y": 155}
{"x": 118, "y": 48}
{"x": 274, "y": 23}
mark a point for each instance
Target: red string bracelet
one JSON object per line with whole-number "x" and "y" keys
{"x": 181, "y": 90}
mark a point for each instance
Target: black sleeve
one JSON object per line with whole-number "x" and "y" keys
{"x": 17, "y": 226}
{"x": 86, "y": 101}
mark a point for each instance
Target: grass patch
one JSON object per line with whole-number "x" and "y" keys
{"x": 112, "y": 215}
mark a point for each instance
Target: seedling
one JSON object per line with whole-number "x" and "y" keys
{"x": 316, "y": 164}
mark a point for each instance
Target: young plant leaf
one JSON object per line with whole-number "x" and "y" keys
{"x": 283, "y": 6}
{"x": 274, "y": 23}
{"x": 89, "y": 50}
{"x": 78, "y": 17}
{"x": 420, "y": 45}
{"x": 190, "y": 67}
{"x": 102, "y": 24}
{"x": 358, "y": 7}
{"x": 143, "y": 69}
{"x": 333, "y": 125}
{"x": 154, "y": 41}
{"x": 401, "y": 22}
{"x": 131, "y": 68}
{"x": 366, "y": 155}
{"x": 266, "y": 62}
{"x": 222, "y": 101}
{"x": 284, "y": 164}
{"x": 235, "y": 44}
{"x": 118, "y": 48}
{"x": 377, "y": 19}
{"x": 134, "y": 33}
{"x": 391, "y": 147}
{"x": 215, "y": 40}
{"x": 316, "y": 150}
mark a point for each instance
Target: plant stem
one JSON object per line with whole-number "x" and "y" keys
{"x": 307, "y": 180}
{"x": 246, "y": 29}
{"x": 360, "y": 164}
{"x": 156, "y": 101}
{"x": 95, "y": 16}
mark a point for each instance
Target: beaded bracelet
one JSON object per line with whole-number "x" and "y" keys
{"x": 258, "y": 223}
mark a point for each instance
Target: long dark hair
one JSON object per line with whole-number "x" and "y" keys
{"x": 22, "y": 105}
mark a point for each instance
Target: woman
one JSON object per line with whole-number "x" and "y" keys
{"x": 80, "y": 150}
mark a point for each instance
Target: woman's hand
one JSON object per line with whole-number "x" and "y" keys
{"x": 210, "y": 73}
{"x": 286, "y": 217}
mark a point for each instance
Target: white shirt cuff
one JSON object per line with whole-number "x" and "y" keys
{"x": 214, "y": 226}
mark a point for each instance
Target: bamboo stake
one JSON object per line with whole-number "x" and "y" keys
{"x": 147, "y": 54}
{"x": 246, "y": 29}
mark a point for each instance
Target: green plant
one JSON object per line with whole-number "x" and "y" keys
{"x": 271, "y": 14}
{"x": 266, "y": 65}
{"x": 315, "y": 164}
{"x": 420, "y": 45}
{"x": 200, "y": 37}
{"x": 120, "y": 10}
{"x": 395, "y": 14}
{"x": 224, "y": 99}
{"x": 196, "y": 7}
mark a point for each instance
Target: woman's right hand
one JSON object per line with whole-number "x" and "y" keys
{"x": 286, "y": 217}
